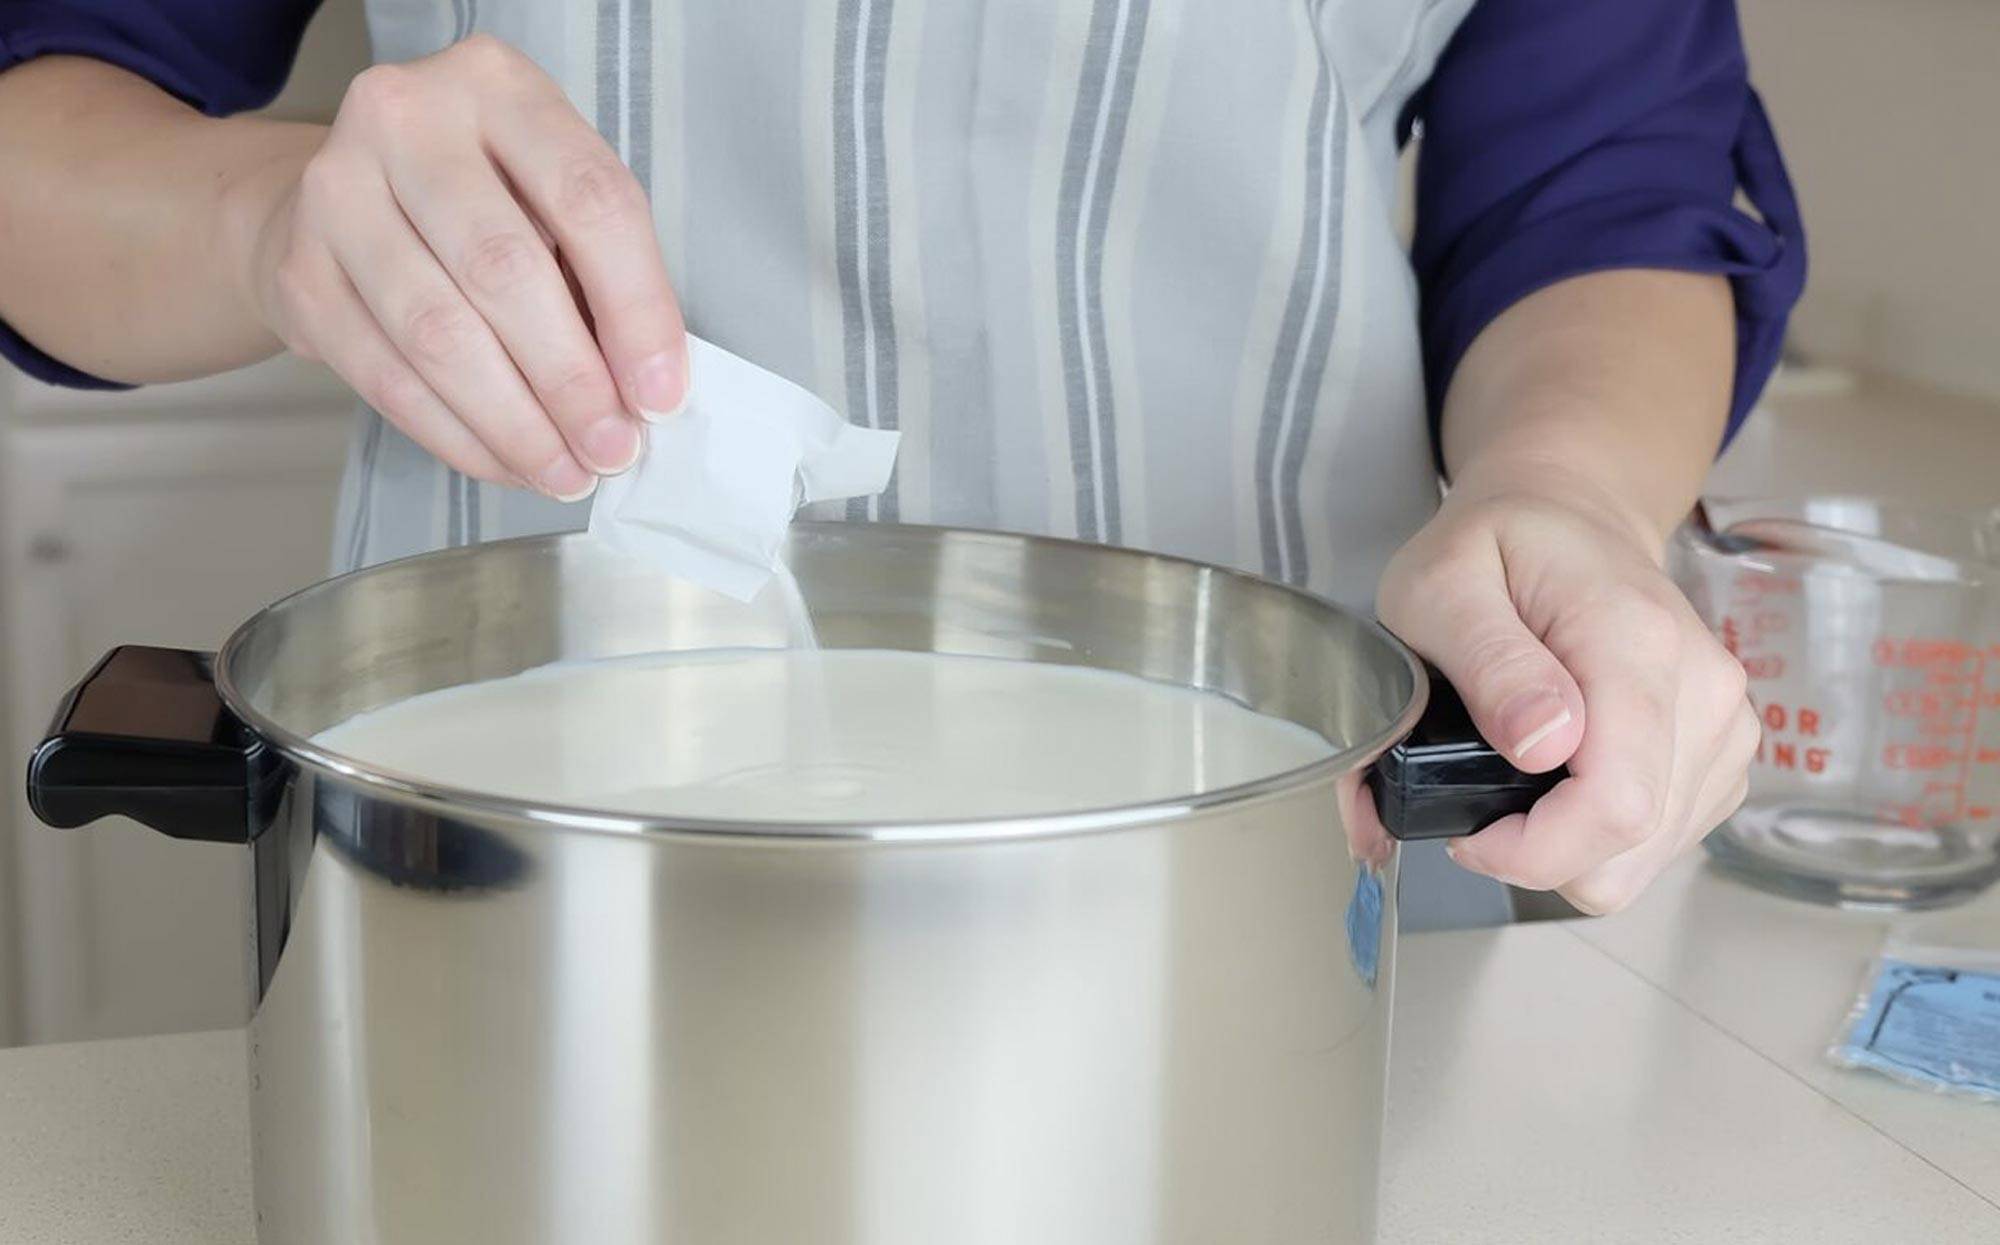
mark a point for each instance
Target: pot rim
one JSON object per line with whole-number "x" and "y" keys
{"x": 445, "y": 798}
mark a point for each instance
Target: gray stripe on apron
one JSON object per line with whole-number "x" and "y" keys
{"x": 371, "y": 445}
{"x": 464, "y": 510}
{"x": 610, "y": 102}
{"x": 861, "y": 225}
{"x": 961, "y": 284}
{"x": 459, "y": 526}
{"x": 1090, "y": 170}
{"x": 454, "y": 509}
{"x": 1304, "y": 339}
{"x": 624, "y": 94}
{"x": 638, "y": 150}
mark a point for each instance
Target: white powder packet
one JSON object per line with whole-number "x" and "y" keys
{"x": 717, "y": 485}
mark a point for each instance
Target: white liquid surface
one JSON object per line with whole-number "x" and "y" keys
{"x": 886, "y": 736}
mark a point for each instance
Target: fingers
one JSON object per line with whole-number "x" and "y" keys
{"x": 1367, "y": 839}
{"x": 1612, "y": 886}
{"x": 1527, "y": 602}
{"x": 1725, "y": 782}
{"x": 359, "y": 351}
{"x": 448, "y": 341}
{"x": 541, "y": 326}
{"x": 1626, "y": 655}
{"x": 499, "y": 261}
{"x": 1461, "y": 617}
{"x": 603, "y": 226}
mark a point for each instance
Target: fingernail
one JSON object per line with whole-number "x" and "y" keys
{"x": 1530, "y": 718}
{"x": 659, "y": 385}
{"x": 1468, "y": 861}
{"x": 565, "y": 479}
{"x": 611, "y": 444}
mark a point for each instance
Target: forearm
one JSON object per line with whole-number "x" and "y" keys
{"x": 129, "y": 222}
{"x": 1612, "y": 387}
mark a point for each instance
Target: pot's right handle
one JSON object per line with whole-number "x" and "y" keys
{"x": 146, "y": 735}
{"x": 1442, "y": 780}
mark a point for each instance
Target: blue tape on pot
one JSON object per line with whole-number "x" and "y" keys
{"x": 1364, "y": 923}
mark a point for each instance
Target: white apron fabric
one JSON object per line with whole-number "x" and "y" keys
{"x": 1118, "y": 269}
{"x": 1123, "y": 270}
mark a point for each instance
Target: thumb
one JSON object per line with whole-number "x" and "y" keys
{"x": 1520, "y": 697}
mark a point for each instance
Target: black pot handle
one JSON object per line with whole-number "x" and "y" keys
{"x": 146, "y": 735}
{"x": 1442, "y": 780}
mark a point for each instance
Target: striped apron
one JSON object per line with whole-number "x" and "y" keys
{"x": 1122, "y": 270}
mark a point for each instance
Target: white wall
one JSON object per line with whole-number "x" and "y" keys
{"x": 1888, "y": 111}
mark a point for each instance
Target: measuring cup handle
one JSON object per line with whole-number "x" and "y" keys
{"x": 1442, "y": 780}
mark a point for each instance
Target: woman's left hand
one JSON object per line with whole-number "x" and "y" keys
{"x": 1543, "y": 601}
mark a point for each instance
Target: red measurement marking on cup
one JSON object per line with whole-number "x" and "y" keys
{"x": 1946, "y": 686}
{"x": 1788, "y": 734}
{"x": 1781, "y": 754}
{"x": 1763, "y": 666}
{"x": 1940, "y": 728}
{"x": 1918, "y": 652}
{"x": 1764, "y": 584}
{"x": 1917, "y": 702}
{"x": 1802, "y": 720}
{"x": 1920, "y": 756}
{"x": 1957, "y": 687}
{"x": 1741, "y": 637}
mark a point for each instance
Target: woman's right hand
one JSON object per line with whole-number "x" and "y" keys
{"x": 469, "y": 255}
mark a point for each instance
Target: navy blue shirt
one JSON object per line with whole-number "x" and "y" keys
{"x": 1559, "y": 137}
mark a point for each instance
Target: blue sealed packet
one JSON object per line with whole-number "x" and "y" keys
{"x": 1929, "y": 1017}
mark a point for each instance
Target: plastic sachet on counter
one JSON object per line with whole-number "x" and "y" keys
{"x": 1928, "y": 1015}
{"x": 717, "y": 485}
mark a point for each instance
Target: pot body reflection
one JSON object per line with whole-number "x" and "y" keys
{"x": 1156, "y": 1034}
{"x": 477, "y": 1022}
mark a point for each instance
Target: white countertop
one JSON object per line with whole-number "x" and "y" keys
{"x": 1658, "y": 1076}
{"x": 1651, "y": 1077}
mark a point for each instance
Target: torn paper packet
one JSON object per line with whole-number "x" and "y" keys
{"x": 717, "y": 485}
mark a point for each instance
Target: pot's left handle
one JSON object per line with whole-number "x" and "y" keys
{"x": 1442, "y": 780}
{"x": 146, "y": 735}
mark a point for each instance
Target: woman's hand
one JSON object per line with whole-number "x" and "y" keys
{"x": 1542, "y": 599}
{"x": 468, "y": 254}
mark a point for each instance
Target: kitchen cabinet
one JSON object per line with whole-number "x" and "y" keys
{"x": 123, "y": 524}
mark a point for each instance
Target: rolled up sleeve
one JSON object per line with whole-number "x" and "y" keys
{"x": 220, "y": 56}
{"x": 1562, "y": 137}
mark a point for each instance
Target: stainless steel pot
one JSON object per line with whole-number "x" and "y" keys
{"x": 479, "y": 1020}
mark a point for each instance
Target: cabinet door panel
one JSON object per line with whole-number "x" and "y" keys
{"x": 164, "y": 534}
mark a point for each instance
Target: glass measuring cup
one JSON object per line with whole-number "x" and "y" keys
{"x": 1871, "y": 636}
